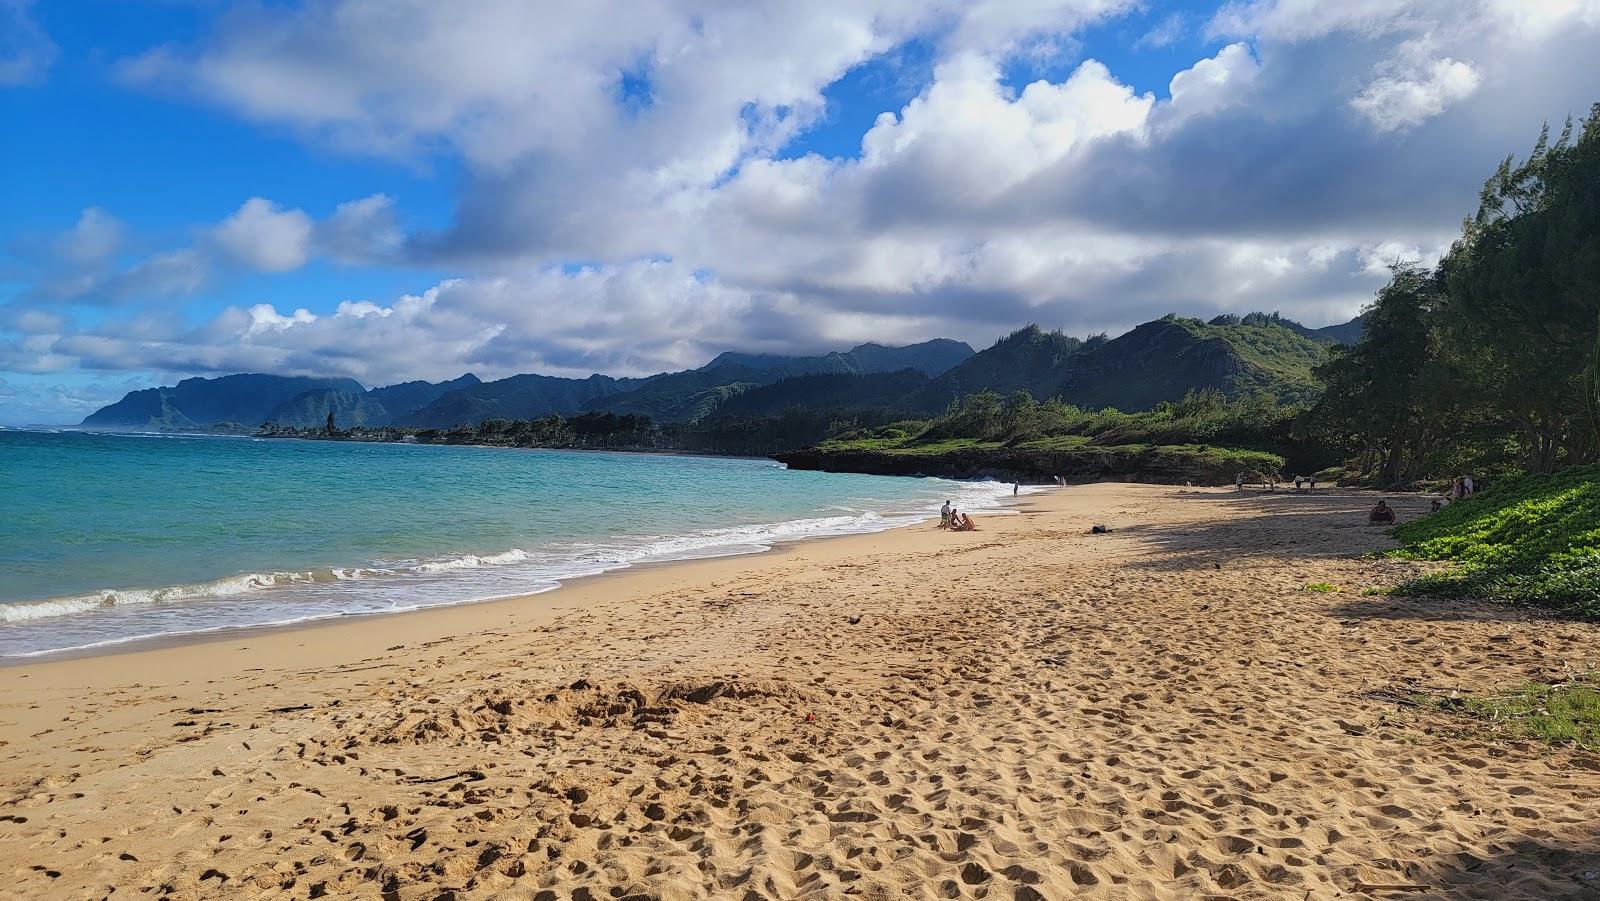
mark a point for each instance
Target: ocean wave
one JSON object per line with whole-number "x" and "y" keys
{"x": 472, "y": 561}
{"x": 470, "y": 577}
{"x": 25, "y": 611}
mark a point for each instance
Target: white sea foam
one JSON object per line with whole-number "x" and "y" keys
{"x": 282, "y": 598}
{"x": 471, "y": 561}
{"x": 25, "y": 611}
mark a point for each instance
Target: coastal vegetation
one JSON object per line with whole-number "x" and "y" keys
{"x": 1489, "y": 363}
{"x": 1485, "y": 362}
{"x": 1530, "y": 539}
{"x": 1567, "y": 713}
{"x": 1205, "y": 438}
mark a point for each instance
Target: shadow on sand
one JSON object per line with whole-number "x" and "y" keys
{"x": 1280, "y": 525}
{"x": 1428, "y": 609}
{"x": 1537, "y": 865}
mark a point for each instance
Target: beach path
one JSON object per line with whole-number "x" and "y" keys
{"x": 1027, "y": 711}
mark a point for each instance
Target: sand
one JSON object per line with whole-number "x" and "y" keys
{"x": 1023, "y": 712}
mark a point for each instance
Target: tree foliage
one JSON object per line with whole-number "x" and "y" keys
{"x": 1488, "y": 360}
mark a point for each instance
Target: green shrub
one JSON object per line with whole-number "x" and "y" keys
{"x": 1529, "y": 540}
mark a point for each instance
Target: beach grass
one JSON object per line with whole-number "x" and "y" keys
{"x": 1566, "y": 713}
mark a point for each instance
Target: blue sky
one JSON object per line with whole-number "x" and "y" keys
{"x": 193, "y": 188}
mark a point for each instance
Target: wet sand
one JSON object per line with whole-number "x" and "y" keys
{"x": 1027, "y": 711}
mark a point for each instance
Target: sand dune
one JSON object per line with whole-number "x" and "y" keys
{"x": 1023, "y": 712}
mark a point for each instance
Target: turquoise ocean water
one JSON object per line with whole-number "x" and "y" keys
{"x": 107, "y": 538}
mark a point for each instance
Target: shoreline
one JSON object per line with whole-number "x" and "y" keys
{"x": 1027, "y": 711}
{"x": 141, "y": 644}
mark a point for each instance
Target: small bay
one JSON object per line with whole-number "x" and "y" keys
{"x": 108, "y": 538}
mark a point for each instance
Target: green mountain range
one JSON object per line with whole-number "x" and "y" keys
{"x": 247, "y": 399}
{"x": 684, "y": 396}
{"x": 1157, "y": 361}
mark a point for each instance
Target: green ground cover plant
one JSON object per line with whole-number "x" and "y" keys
{"x": 1528, "y": 539}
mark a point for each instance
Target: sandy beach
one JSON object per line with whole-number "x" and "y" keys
{"x": 1027, "y": 711}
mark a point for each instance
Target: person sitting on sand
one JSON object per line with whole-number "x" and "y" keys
{"x": 964, "y": 523}
{"x": 1381, "y": 515}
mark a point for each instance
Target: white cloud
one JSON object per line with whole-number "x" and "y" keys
{"x": 1299, "y": 20}
{"x": 26, "y": 52}
{"x": 361, "y": 231}
{"x": 634, "y": 319}
{"x": 979, "y": 204}
{"x": 95, "y": 239}
{"x": 1305, "y": 20}
{"x": 968, "y": 139}
{"x": 175, "y": 273}
{"x": 1414, "y": 86}
{"x": 1535, "y": 20}
{"x": 1213, "y": 84}
{"x": 263, "y": 236}
{"x": 265, "y": 318}
{"x": 87, "y": 263}
{"x": 1170, "y": 30}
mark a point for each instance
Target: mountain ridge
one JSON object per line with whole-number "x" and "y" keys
{"x": 1154, "y": 362}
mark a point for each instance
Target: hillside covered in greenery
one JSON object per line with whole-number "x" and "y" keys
{"x": 1157, "y": 362}
{"x": 1205, "y": 439}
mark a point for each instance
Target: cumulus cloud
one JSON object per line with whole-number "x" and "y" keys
{"x": 667, "y": 146}
{"x": 98, "y": 262}
{"x": 636, "y": 319}
{"x": 1213, "y": 84}
{"x": 264, "y": 236}
{"x": 1415, "y": 88}
{"x": 94, "y": 262}
{"x": 1299, "y": 20}
{"x": 502, "y": 80}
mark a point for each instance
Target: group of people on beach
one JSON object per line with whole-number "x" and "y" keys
{"x": 1461, "y": 488}
{"x": 954, "y": 520}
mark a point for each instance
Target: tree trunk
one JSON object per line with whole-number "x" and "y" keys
{"x": 1389, "y": 474}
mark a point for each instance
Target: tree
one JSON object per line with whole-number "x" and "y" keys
{"x": 1376, "y": 390}
{"x": 1523, "y": 298}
